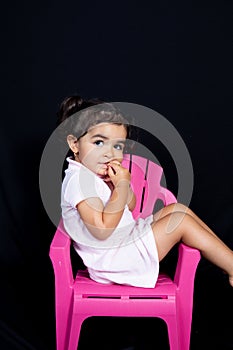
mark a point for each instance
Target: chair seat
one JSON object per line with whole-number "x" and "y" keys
{"x": 86, "y": 288}
{"x": 95, "y": 299}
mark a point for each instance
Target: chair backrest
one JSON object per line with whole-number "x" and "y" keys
{"x": 145, "y": 181}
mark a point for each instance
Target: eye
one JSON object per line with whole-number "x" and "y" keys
{"x": 119, "y": 146}
{"x": 99, "y": 143}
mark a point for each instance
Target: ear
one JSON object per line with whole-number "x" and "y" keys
{"x": 73, "y": 143}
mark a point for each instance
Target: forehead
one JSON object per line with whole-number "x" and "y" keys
{"x": 108, "y": 130}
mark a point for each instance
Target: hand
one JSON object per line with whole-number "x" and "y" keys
{"x": 106, "y": 177}
{"x": 117, "y": 174}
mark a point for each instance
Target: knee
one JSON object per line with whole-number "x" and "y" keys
{"x": 182, "y": 213}
{"x": 172, "y": 209}
{"x": 180, "y": 219}
{"x": 179, "y": 207}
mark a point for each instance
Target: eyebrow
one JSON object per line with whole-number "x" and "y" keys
{"x": 107, "y": 138}
{"x": 99, "y": 135}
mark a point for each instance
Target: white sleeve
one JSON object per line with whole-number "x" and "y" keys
{"x": 80, "y": 186}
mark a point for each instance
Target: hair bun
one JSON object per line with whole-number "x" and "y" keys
{"x": 69, "y": 106}
{"x": 73, "y": 104}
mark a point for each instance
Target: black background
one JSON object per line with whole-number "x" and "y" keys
{"x": 173, "y": 57}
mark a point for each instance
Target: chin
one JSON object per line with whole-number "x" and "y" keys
{"x": 101, "y": 175}
{"x": 105, "y": 178}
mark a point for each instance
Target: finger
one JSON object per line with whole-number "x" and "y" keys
{"x": 111, "y": 171}
{"x": 115, "y": 162}
{"x": 114, "y": 166}
{"x": 119, "y": 165}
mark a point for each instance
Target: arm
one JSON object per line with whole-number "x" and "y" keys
{"x": 102, "y": 220}
{"x": 131, "y": 199}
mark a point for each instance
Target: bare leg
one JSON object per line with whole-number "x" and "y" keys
{"x": 181, "y": 208}
{"x": 170, "y": 228}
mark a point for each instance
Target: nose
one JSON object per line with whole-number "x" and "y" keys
{"x": 109, "y": 152}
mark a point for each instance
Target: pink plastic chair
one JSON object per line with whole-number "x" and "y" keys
{"x": 80, "y": 298}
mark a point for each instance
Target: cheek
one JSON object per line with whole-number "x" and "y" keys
{"x": 90, "y": 160}
{"x": 119, "y": 155}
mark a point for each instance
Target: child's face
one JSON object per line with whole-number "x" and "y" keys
{"x": 103, "y": 143}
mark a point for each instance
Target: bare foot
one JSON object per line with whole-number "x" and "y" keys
{"x": 231, "y": 280}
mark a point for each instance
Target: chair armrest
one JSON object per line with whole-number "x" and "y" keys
{"x": 188, "y": 260}
{"x": 184, "y": 278}
{"x": 166, "y": 196}
{"x": 188, "y": 257}
{"x": 60, "y": 257}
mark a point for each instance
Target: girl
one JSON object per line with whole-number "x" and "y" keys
{"x": 97, "y": 203}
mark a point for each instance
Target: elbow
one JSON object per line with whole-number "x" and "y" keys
{"x": 100, "y": 232}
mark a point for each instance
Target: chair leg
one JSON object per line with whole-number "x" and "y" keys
{"x": 173, "y": 336}
{"x": 75, "y": 330}
{"x": 62, "y": 334}
{"x": 184, "y": 332}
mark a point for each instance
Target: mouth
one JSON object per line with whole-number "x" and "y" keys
{"x": 103, "y": 165}
{"x": 106, "y": 165}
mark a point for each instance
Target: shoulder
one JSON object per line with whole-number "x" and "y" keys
{"x": 81, "y": 183}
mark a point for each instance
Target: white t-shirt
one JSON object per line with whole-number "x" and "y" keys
{"x": 129, "y": 256}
